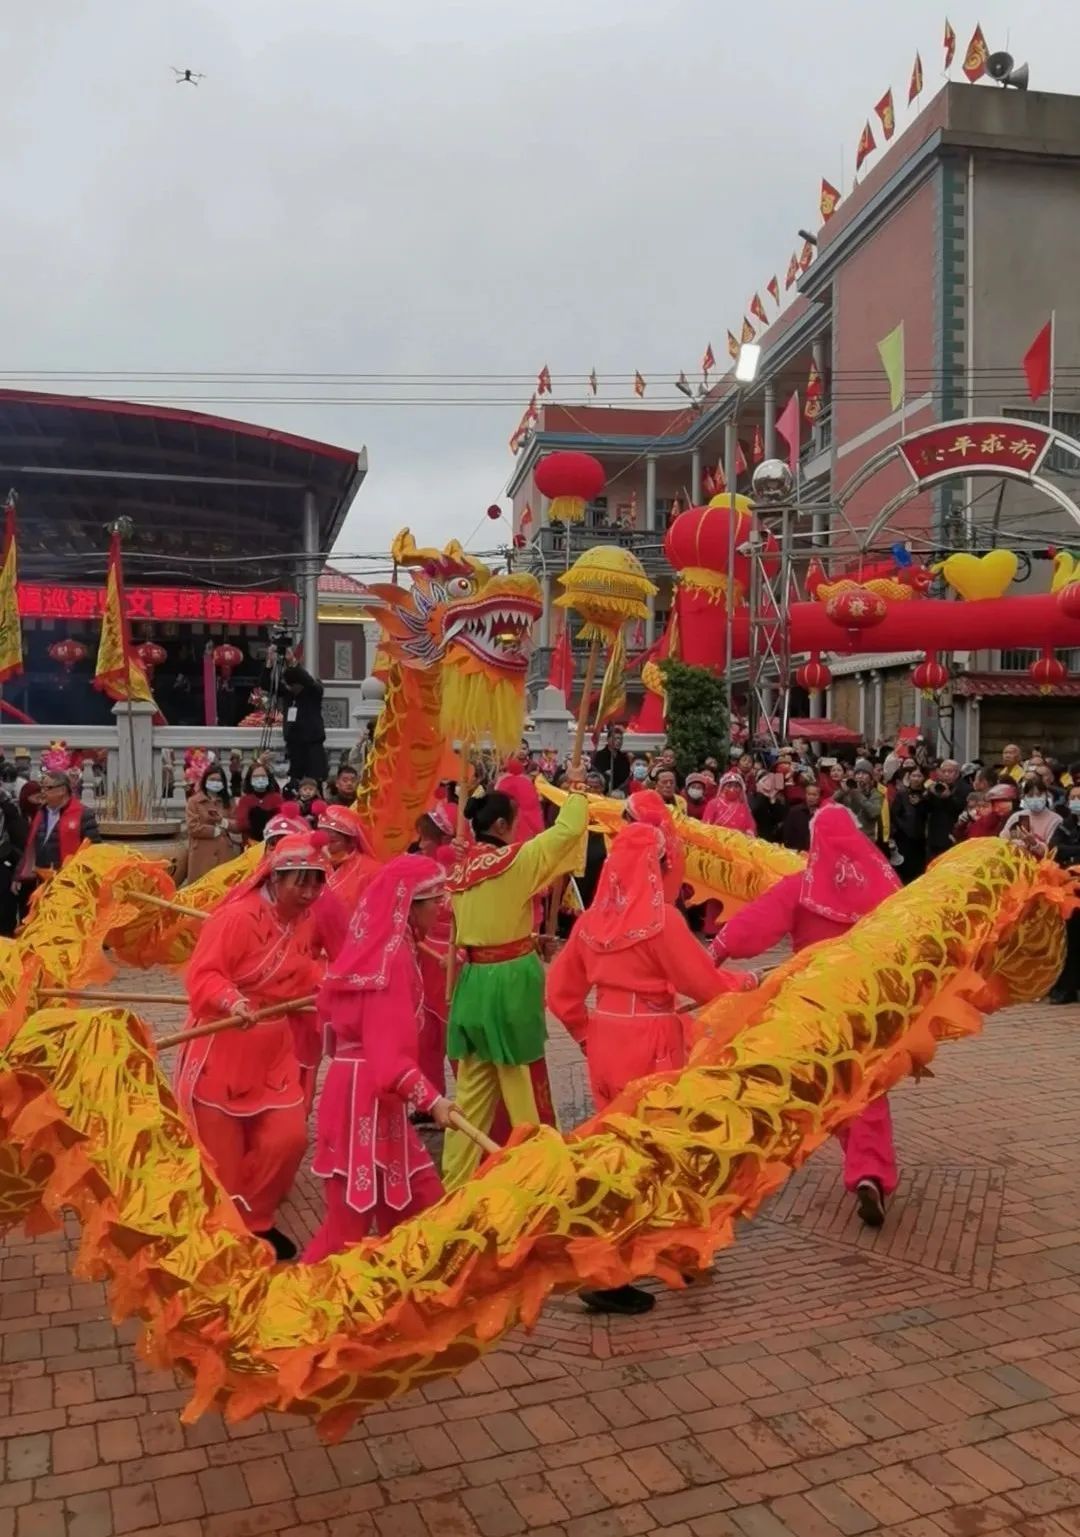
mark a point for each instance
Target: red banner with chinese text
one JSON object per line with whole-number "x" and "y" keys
{"x": 970, "y": 447}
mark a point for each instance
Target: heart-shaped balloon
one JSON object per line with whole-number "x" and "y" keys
{"x": 980, "y": 576}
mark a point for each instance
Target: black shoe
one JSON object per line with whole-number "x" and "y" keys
{"x": 283, "y": 1247}
{"x": 619, "y": 1299}
{"x": 870, "y": 1203}
{"x": 1056, "y": 996}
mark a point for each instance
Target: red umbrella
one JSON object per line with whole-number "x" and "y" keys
{"x": 823, "y": 731}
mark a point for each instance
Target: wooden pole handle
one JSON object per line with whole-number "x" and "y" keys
{"x": 149, "y": 900}
{"x": 92, "y": 995}
{"x": 467, "y": 1129}
{"x": 231, "y": 1021}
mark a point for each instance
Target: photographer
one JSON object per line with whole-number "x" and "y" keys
{"x": 910, "y": 814}
{"x": 947, "y": 802}
{"x": 301, "y": 705}
{"x": 860, "y": 794}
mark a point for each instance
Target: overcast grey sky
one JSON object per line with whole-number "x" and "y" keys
{"x": 432, "y": 186}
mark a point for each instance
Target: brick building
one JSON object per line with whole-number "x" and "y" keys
{"x": 962, "y": 232}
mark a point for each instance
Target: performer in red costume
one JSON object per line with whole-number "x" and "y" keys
{"x": 376, "y": 1169}
{"x": 845, "y": 878}
{"x": 241, "y": 1090}
{"x": 633, "y": 950}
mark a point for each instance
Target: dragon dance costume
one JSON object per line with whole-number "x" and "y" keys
{"x": 497, "y": 1021}
{"x": 376, "y": 1170}
{"x": 845, "y": 878}
{"x": 636, "y": 950}
{"x": 241, "y": 1090}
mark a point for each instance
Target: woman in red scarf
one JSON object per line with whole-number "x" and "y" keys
{"x": 845, "y": 878}
{"x": 241, "y": 1090}
{"x": 633, "y": 950}
{"x": 377, "y": 1171}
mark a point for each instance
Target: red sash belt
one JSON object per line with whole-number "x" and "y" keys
{"x": 490, "y": 955}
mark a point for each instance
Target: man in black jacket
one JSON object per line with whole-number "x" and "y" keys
{"x": 305, "y": 733}
{"x": 946, "y": 798}
{"x": 612, "y": 761}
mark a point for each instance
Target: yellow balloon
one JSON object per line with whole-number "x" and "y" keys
{"x": 980, "y": 576}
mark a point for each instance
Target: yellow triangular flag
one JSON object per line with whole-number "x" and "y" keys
{"x": 891, "y": 352}
{"x": 613, "y": 688}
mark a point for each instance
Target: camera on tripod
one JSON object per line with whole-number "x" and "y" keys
{"x": 281, "y": 640}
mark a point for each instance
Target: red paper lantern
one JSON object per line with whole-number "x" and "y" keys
{"x": 227, "y": 659}
{"x": 68, "y": 653}
{"x": 1047, "y": 671}
{"x": 571, "y": 480}
{"x": 696, "y": 545}
{"x": 931, "y": 676}
{"x": 494, "y": 512}
{"x": 814, "y": 674}
{"x": 151, "y": 655}
{"x": 856, "y": 608}
{"x": 1069, "y": 600}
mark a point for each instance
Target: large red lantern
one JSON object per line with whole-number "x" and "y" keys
{"x": 1047, "y": 671}
{"x": 227, "y": 659}
{"x": 150, "y": 655}
{"x": 931, "y": 676}
{"x": 856, "y": 608}
{"x": 571, "y": 480}
{"x": 814, "y": 675}
{"x": 697, "y": 546}
{"x": 68, "y": 653}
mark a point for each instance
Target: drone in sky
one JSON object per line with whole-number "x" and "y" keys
{"x": 186, "y": 76}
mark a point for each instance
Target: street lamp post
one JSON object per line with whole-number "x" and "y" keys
{"x": 746, "y": 367}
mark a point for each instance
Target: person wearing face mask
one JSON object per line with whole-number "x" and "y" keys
{"x": 697, "y": 791}
{"x": 1035, "y": 825}
{"x": 639, "y": 774}
{"x": 260, "y": 801}
{"x": 977, "y": 820}
{"x": 241, "y": 1089}
{"x": 207, "y": 817}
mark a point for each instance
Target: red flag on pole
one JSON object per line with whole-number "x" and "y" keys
{"x": 747, "y": 332}
{"x": 543, "y": 381}
{"x": 708, "y": 360}
{"x": 950, "y": 44}
{"x": 740, "y": 459}
{"x": 773, "y": 288}
{"x": 757, "y": 452}
{"x": 977, "y": 56}
{"x": 561, "y": 672}
{"x": 915, "y": 83}
{"x": 1038, "y": 362}
{"x": 639, "y": 385}
{"x": 887, "y": 114}
{"x": 829, "y": 200}
{"x": 732, "y": 346}
{"x": 815, "y": 390}
{"x": 757, "y": 309}
{"x": 789, "y": 426}
{"x": 807, "y": 255}
{"x": 792, "y": 273}
{"x": 867, "y": 146}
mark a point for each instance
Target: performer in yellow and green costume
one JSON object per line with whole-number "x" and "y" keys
{"x": 497, "y": 1021}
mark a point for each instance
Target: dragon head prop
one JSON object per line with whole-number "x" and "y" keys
{"x": 475, "y": 626}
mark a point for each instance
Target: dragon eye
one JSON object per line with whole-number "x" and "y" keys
{"x": 459, "y": 587}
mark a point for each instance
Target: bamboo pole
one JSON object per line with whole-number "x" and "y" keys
{"x": 232, "y": 1021}
{"x": 149, "y": 900}
{"x": 463, "y": 796}
{"x": 474, "y": 1134}
{"x": 556, "y": 894}
{"x": 95, "y": 995}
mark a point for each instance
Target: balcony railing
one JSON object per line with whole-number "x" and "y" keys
{"x": 549, "y": 551}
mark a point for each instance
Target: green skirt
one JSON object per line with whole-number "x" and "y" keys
{"x": 497, "y": 1013}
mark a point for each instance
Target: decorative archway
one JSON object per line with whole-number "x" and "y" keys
{"x": 999, "y": 446}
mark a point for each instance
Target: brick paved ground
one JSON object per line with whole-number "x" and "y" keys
{"x": 829, "y": 1380}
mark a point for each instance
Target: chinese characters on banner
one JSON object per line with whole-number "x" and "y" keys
{"x": 182, "y": 604}
{"x": 969, "y": 446}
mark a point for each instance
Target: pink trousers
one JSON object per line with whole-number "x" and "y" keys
{"x": 622, "y": 1047}
{"x": 869, "y": 1153}
{"x": 343, "y": 1226}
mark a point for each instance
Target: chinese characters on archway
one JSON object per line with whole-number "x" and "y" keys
{"x": 970, "y": 446}
{"x": 181, "y": 604}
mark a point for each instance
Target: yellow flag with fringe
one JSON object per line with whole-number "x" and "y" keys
{"x": 613, "y": 688}
{"x": 11, "y": 660}
{"x": 118, "y": 674}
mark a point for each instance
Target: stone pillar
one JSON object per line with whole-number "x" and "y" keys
{"x": 650, "y": 622}
{"x": 879, "y": 703}
{"x": 650, "y": 492}
{"x": 547, "y": 587}
{"x": 770, "y": 420}
{"x": 135, "y": 748}
{"x": 309, "y": 584}
{"x": 695, "y": 477}
{"x": 551, "y": 720}
{"x": 861, "y": 681}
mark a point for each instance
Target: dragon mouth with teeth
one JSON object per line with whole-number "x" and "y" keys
{"x": 495, "y": 627}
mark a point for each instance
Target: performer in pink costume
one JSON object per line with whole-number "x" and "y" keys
{"x": 729, "y": 807}
{"x": 376, "y": 1169}
{"x": 845, "y": 878}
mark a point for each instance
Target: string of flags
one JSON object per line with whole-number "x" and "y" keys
{"x": 974, "y": 67}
